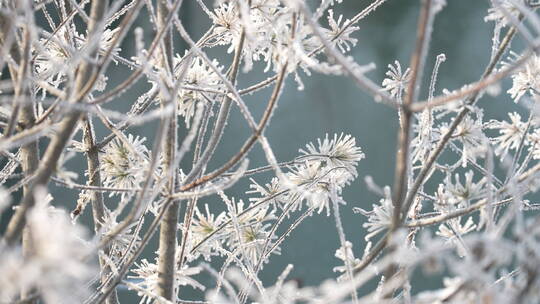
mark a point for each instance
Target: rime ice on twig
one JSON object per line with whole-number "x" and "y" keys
{"x": 454, "y": 168}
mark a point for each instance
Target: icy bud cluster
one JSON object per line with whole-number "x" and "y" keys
{"x": 57, "y": 264}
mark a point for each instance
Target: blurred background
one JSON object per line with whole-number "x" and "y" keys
{"x": 328, "y": 104}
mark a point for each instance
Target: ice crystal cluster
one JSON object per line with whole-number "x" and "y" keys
{"x": 156, "y": 218}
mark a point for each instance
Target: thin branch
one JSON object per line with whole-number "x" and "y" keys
{"x": 98, "y": 205}
{"x": 417, "y": 65}
{"x": 249, "y": 143}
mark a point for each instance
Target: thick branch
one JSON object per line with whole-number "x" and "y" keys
{"x": 56, "y": 147}
{"x": 167, "y": 235}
